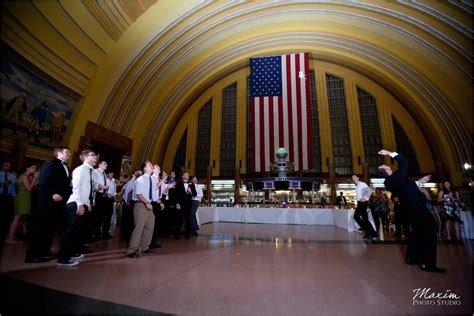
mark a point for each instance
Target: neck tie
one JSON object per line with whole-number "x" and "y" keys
{"x": 150, "y": 195}
{"x": 105, "y": 181}
{"x": 91, "y": 197}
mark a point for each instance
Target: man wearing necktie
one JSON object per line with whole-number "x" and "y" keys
{"x": 78, "y": 204}
{"x": 54, "y": 191}
{"x": 184, "y": 193}
{"x": 157, "y": 204}
{"x": 7, "y": 193}
{"x": 142, "y": 214}
{"x": 102, "y": 204}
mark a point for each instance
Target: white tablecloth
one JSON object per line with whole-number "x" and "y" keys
{"x": 301, "y": 216}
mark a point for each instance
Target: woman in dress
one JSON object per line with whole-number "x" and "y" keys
{"x": 381, "y": 207}
{"x": 22, "y": 201}
{"x": 451, "y": 204}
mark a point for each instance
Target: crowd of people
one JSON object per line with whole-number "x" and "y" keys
{"x": 78, "y": 206}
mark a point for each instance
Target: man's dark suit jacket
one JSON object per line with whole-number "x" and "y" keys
{"x": 410, "y": 196}
{"x": 181, "y": 197}
{"x": 53, "y": 180}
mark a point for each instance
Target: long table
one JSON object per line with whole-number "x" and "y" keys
{"x": 342, "y": 218}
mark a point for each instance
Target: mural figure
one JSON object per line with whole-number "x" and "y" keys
{"x": 33, "y": 105}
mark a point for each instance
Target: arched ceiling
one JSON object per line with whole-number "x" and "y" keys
{"x": 143, "y": 70}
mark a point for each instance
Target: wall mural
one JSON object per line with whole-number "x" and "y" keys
{"x": 33, "y": 105}
{"x": 125, "y": 169}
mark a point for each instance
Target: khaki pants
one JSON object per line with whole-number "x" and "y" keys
{"x": 143, "y": 232}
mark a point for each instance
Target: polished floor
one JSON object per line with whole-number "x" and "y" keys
{"x": 260, "y": 269}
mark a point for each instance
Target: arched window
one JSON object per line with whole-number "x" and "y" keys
{"x": 405, "y": 149}
{"x": 341, "y": 143}
{"x": 370, "y": 129}
{"x": 203, "y": 144}
{"x": 228, "y": 130}
{"x": 315, "y": 124}
{"x": 180, "y": 157}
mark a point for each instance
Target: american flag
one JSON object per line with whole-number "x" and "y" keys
{"x": 279, "y": 90}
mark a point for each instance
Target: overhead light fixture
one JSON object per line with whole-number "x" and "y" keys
{"x": 467, "y": 166}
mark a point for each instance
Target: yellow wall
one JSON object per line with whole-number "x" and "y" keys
{"x": 142, "y": 67}
{"x": 386, "y": 106}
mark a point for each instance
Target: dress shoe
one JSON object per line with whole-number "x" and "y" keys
{"x": 194, "y": 234}
{"x": 426, "y": 268}
{"x": 36, "y": 260}
{"x": 77, "y": 256}
{"x": 51, "y": 255}
{"x": 133, "y": 255}
{"x": 67, "y": 263}
{"x": 149, "y": 250}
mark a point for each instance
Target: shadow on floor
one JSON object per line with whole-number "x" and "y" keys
{"x": 20, "y": 297}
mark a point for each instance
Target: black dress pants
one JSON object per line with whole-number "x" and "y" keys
{"x": 422, "y": 239}
{"x": 362, "y": 219}
{"x": 43, "y": 225}
{"x": 71, "y": 242}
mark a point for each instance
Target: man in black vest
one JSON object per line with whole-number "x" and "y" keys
{"x": 422, "y": 239}
{"x": 54, "y": 191}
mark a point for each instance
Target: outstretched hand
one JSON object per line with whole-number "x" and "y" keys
{"x": 384, "y": 152}
{"x": 425, "y": 179}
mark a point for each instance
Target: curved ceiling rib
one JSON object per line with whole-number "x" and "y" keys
{"x": 382, "y": 59}
{"x": 213, "y": 29}
{"x": 139, "y": 62}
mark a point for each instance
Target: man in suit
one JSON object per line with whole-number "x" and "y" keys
{"x": 341, "y": 200}
{"x": 54, "y": 191}
{"x": 184, "y": 193}
{"x": 100, "y": 210}
{"x": 422, "y": 237}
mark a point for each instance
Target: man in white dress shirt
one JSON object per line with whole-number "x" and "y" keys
{"x": 78, "y": 203}
{"x": 127, "y": 224}
{"x": 195, "y": 205}
{"x": 100, "y": 210}
{"x": 158, "y": 205}
{"x": 363, "y": 193}
{"x": 109, "y": 200}
{"x": 143, "y": 214}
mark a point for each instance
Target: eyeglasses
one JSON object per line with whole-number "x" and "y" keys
{"x": 91, "y": 155}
